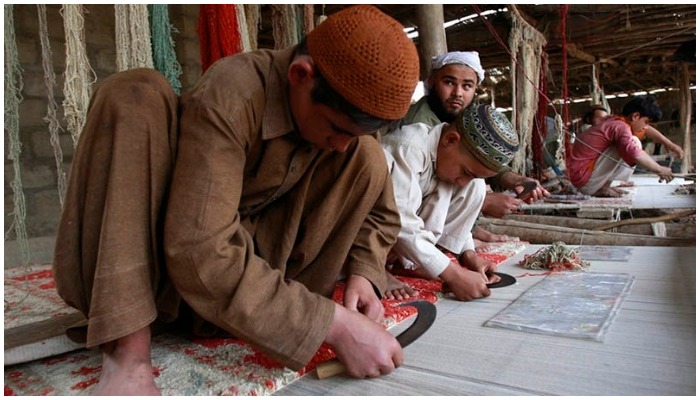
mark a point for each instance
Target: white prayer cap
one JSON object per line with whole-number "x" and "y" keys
{"x": 468, "y": 58}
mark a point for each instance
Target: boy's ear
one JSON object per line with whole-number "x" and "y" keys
{"x": 451, "y": 138}
{"x": 301, "y": 70}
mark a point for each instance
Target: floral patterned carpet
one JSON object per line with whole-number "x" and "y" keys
{"x": 181, "y": 365}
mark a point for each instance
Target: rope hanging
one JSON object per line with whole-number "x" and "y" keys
{"x": 252, "y": 17}
{"x": 285, "y": 25}
{"x": 527, "y": 43}
{"x": 51, "y": 114}
{"x": 568, "y": 144}
{"x": 79, "y": 76}
{"x": 13, "y": 96}
{"x": 164, "y": 57}
{"x": 133, "y": 38}
{"x": 597, "y": 94}
{"x": 218, "y": 33}
{"x": 539, "y": 134}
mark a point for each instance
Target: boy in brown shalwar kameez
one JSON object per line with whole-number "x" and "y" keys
{"x": 249, "y": 197}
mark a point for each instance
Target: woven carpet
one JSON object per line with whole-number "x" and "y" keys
{"x": 181, "y": 365}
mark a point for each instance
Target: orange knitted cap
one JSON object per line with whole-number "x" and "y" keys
{"x": 367, "y": 58}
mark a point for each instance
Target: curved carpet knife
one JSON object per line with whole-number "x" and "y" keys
{"x": 426, "y": 317}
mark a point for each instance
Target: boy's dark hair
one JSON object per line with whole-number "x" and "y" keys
{"x": 588, "y": 116}
{"x": 646, "y": 106}
{"x": 323, "y": 93}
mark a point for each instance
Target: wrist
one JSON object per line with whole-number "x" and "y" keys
{"x": 466, "y": 257}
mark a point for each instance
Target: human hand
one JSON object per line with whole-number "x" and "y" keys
{"x": 499, "y": 204}
{"x": 536, "y": 194}
{"x": 470, "y": 260}
{"x": 359, "y": 296}
{"x": 665, "y": 174}
{"x": 465, "y": 284}
{"x": 365, "y": 348}
{"x": 676, "y": 149}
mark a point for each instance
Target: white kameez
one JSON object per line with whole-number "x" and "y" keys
{"x": 433, "y": 212}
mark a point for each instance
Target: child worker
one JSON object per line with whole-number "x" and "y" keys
{"x": 435, "y": 172}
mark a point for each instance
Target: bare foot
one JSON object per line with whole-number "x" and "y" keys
{"x": 626, "y": 184}
{"x": 127, "y": 368}
{"x": 607, "y": 192}
{"x": 397, "y": 290}
{"x": 622, "y": 192}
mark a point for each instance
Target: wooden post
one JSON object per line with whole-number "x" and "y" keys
{"x": 686, "y": 111}
{"x": 431, "y": 40}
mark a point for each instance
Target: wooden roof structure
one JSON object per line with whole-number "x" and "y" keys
{"x": 634, "y": 47}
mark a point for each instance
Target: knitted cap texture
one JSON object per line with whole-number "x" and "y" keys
{"x": 489, "y": 135}
{"x": 367, "y": 58}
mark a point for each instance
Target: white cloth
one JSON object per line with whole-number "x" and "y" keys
{"x": 433, "y": 212}
{"x": 468, "y": 58}
{"x": 609, "y": 167}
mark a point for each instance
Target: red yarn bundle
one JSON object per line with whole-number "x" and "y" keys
{"x": 219, "y": 33}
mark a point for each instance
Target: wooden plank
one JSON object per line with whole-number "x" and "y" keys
{"x": 41, "y": 330}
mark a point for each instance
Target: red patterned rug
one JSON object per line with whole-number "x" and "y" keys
{"x": 181, "y": 366}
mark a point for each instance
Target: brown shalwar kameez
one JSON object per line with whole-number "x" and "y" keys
{"x": 259, "y": 224}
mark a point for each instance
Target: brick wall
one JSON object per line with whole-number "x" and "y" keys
{"x": 38, "y": 174}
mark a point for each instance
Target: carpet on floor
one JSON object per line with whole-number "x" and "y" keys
{"x": 181, "y": 365}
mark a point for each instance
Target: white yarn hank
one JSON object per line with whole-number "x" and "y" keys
{"x": 79, "y": 76}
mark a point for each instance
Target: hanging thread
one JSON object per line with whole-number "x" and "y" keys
{"x": 243, "y": 27}
{"x": 51, "y": 117}
{"x": 132, "y": 37}
{"x": 164, "y": 56}
{"x": 568, "y": 144}
{"x": 308, "y": 18}
{"x": 528, "y": 44}
{"x": 79, "y": 76}
{"x": 13, "y": 97}
{"x": 218, "y": 33}
{"x": 597, "y": 94}
{"x": 285, "y": 26}
{"x": 252, "y": 17}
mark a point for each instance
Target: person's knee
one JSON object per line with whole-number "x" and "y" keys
{"x": 138, "y": 86}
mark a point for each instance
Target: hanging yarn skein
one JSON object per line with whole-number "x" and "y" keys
{"x": 285, "y": 25}
{"x": 132, "y": 37}
{"x": 79, "y": 76}
{"x": 13, "y": 96}
{"x": 164, "y": 56}
{"x": 243, "y": 27}
{"x": 51, "y": 117}
{"x": 527, "y": 43}
{"x": 218, "y": 33}
{"x": 252, "y": 16}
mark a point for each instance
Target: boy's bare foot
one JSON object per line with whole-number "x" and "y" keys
{"x": 127, "y": 368}
{"x": 622, "y": 192}
{"x": 626, "y": 184}
{"x": 607, "y": 192}
{"x": 397, "y": 290}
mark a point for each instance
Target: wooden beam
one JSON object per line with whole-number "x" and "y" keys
{"x": 41, "y": 330}
{"x": 685, "y": 118}
{"x": 636, "y": 221}
{"x": 547, "y": 234}
{"x": 574, "y": 51}
{"x": 431, "y": 40}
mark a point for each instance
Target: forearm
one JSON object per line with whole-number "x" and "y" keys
{"x": 645, "y": 161}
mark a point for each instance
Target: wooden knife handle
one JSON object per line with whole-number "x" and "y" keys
{"x": 329, "y": 368}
